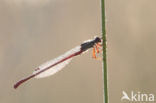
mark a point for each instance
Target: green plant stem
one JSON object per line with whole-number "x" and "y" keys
{"x": 104, "y": 52}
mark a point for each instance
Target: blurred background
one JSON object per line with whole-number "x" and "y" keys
{"x": 34, "y": 31}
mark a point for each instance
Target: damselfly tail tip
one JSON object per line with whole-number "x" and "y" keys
{"x": 16, "y": 85}
{"x": 22, "y": 81}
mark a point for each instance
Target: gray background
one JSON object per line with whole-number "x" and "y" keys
{"x": 34, "y": 31}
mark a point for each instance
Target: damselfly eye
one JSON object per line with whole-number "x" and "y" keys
{"x": 97, "y": 39}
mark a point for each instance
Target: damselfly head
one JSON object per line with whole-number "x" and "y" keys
{"x": 97, "y": 40}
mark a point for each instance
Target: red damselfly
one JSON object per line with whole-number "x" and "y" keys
{"x": 51, "y": 67}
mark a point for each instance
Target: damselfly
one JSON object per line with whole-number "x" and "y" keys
{"x": 51, "y": 67}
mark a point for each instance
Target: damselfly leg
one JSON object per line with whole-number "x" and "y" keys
{"x": 97, "y": 49}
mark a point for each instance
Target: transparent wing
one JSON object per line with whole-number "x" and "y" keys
{"x": 52, "y": 70}
{"x": 51, "y": 67}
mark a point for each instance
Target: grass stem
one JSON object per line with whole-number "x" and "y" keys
{"x": 104, "y": 52}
